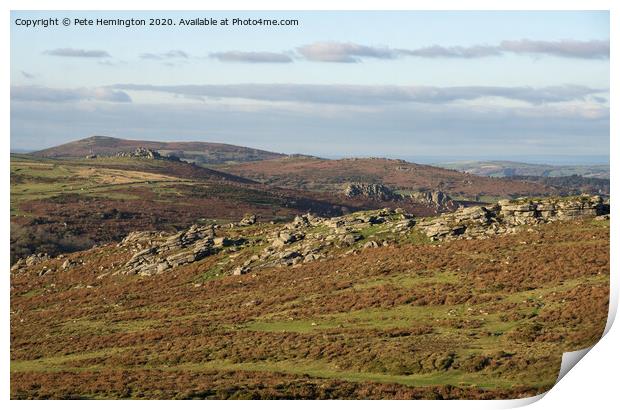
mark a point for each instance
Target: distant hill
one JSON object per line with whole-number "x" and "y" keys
{"x": 199, "y": 152}
{"x": 570, "y": 185}
{"x": 315, "y": 174}
{"x": 509, "y": 168}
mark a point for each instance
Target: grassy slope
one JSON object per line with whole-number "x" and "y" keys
{"x": 41, "y": 179}
{"x": 489, "y": 317}
{"x": 60, "y": 205}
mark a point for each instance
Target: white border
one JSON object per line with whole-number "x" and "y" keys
{"x": 593, "y": 382}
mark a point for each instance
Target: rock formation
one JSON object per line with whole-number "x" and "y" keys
{"x": 141, "y": 152}
{"x": 506, "y": 215}
{"x": 308, "y": 238}
{"x": 156, "y": 253}
{"x": 437, "y": 200}
{"x": 371, "y": 191}
{"x": 434, "y": 199}
{"x": 248, "y": 220}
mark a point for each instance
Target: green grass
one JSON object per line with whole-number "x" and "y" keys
{"x": 605, "y": 223}
{"x": 103, "y": 327}
{"x": 40, "y": 178}
{"x": 379, "y": 318}
{"x": 59, "y": 363}
{"x": 417, "y": 237}
{"x": 216, "y": 270}
{"x": 316, "y": 368}
{"x": 326, "y": 370}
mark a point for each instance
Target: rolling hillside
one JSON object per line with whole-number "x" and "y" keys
{"x": 63, "y": 205}
{"x": 200, "y": 152}
{"x": 315, "y": 174}
{"x": 58, "y": 205}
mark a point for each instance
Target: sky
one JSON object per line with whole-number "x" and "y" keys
{"x": 413, "y": 85}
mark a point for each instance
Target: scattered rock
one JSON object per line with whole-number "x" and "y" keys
{"x": 31, "y": 260}
{"x": 308, "y": 238}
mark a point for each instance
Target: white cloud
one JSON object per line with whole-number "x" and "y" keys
{"x": 367, "y": 94}
{"x": 344, "y": 52}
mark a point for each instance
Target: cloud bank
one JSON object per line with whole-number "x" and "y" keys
{"x": 347, "y": 52}
{"x": 335, "y": 52}
{"x": 77, "y": 52}
{"x": 398, "y": 131}
{"x": 63, "y": 95}
{"x": 436, "y": 51}
{"x": 251, "y": 57}
{"x": 344, "y": 52}
{"x": 594, "y": 49}
{"x": 172, "y": 54}
{"x": 368, "y": 94}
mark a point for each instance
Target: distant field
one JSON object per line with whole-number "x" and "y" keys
{"x": 32, "y": 180}
{"x": 508, "y": 168}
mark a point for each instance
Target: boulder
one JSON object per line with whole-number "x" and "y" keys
{"x": 248, "y": 220}
{"x": 351, "y": 238}
{"x": 371, "y": 244}
{"x": 240, "y": 270}
{"x": 223, "y": 241}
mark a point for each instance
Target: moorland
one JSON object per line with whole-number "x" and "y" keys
{"x": 140, "y": 273}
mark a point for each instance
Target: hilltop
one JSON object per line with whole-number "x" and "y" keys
{"x": 570, "y": 185}
{"x": 200, "y": 152}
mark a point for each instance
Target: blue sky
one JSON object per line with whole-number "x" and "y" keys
{"x": 400, "y": 84}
